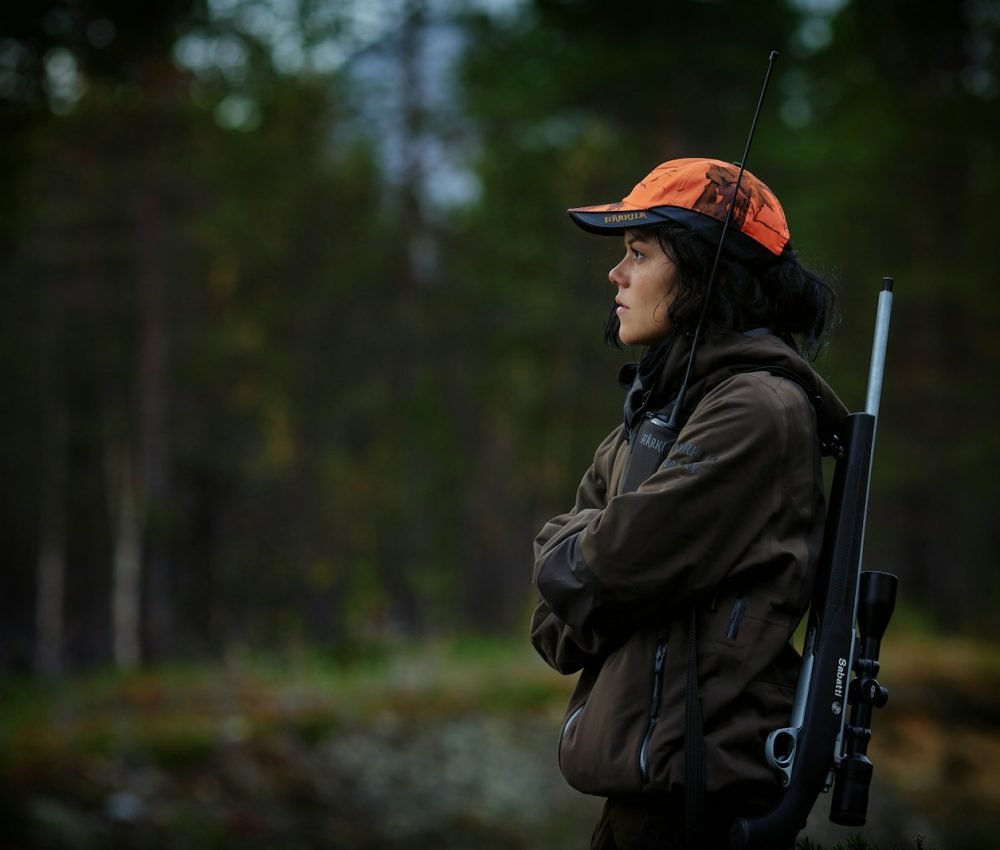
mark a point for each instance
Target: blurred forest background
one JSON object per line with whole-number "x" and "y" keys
{"x": 299, "y": 348}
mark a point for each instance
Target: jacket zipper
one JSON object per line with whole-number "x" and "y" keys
{"x": 654, "y": 708}
{"x": 736, "y": 617}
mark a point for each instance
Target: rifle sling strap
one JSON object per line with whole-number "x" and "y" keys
{"x": 694, "y": 748}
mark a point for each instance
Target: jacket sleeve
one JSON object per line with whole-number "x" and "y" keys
{"x": 563, "y": 647}
{"x": 677, "y": 536}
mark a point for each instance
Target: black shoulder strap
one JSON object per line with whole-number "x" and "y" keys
{"x": 694, "y": 748}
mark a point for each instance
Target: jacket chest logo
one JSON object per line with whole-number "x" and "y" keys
{"x": 651, "y": 442}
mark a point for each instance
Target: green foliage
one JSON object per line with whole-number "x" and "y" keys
{"x": 350, "y": 404}
{"x": 187, "y": 754}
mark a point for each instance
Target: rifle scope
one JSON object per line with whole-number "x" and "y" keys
{"x": 876, "y": 602}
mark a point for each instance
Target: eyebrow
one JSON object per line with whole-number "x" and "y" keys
{"x": 643, "y": 236}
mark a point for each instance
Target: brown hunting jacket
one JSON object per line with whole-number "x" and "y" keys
{"x": 730, "y": 522}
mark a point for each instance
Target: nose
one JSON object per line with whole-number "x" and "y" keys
{"x": 616, "y": 276}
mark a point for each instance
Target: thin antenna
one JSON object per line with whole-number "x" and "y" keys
{"x": 679, "y": 403}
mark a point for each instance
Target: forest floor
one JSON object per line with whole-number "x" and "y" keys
{"x": 447, "y": 745}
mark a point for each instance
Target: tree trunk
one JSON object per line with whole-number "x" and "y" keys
{"x": 126, "y": 574}
{"x": 152, "y": 260}
{"x": 50, "y": 591}
{"x": 52, "y": 546}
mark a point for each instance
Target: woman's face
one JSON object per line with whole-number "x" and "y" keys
{"x": 645, "y": 280}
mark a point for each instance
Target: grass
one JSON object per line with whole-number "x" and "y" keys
{"x": 67, "y": 748}
{"x": 236, "y": 754}
{"x": 176, "y": 715}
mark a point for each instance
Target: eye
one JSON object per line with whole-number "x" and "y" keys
{"x": 637, "y": 254}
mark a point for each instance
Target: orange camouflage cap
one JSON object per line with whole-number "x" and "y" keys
{"x": 696, "y": 192}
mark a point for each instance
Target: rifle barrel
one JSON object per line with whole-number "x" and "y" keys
{"x": 879, "y": 344}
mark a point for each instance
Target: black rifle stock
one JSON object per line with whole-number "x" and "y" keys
{"x": 819, "y": 747}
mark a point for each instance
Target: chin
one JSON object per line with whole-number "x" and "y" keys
{"x": 638, "y": 339}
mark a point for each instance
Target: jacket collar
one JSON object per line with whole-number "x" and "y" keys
{"x": 653, "y": 382}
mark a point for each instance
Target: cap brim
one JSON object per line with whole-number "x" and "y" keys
{"x": 612, "y": 219}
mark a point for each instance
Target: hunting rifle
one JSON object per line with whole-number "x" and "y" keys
{"x": 826, "y": 744}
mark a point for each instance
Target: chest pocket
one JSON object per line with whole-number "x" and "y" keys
{"x": 649, "y": 446}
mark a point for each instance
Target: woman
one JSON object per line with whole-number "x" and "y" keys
{"x": 700, "y": 547}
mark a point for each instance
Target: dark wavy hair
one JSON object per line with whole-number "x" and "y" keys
{"x": 789, "y": 299}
